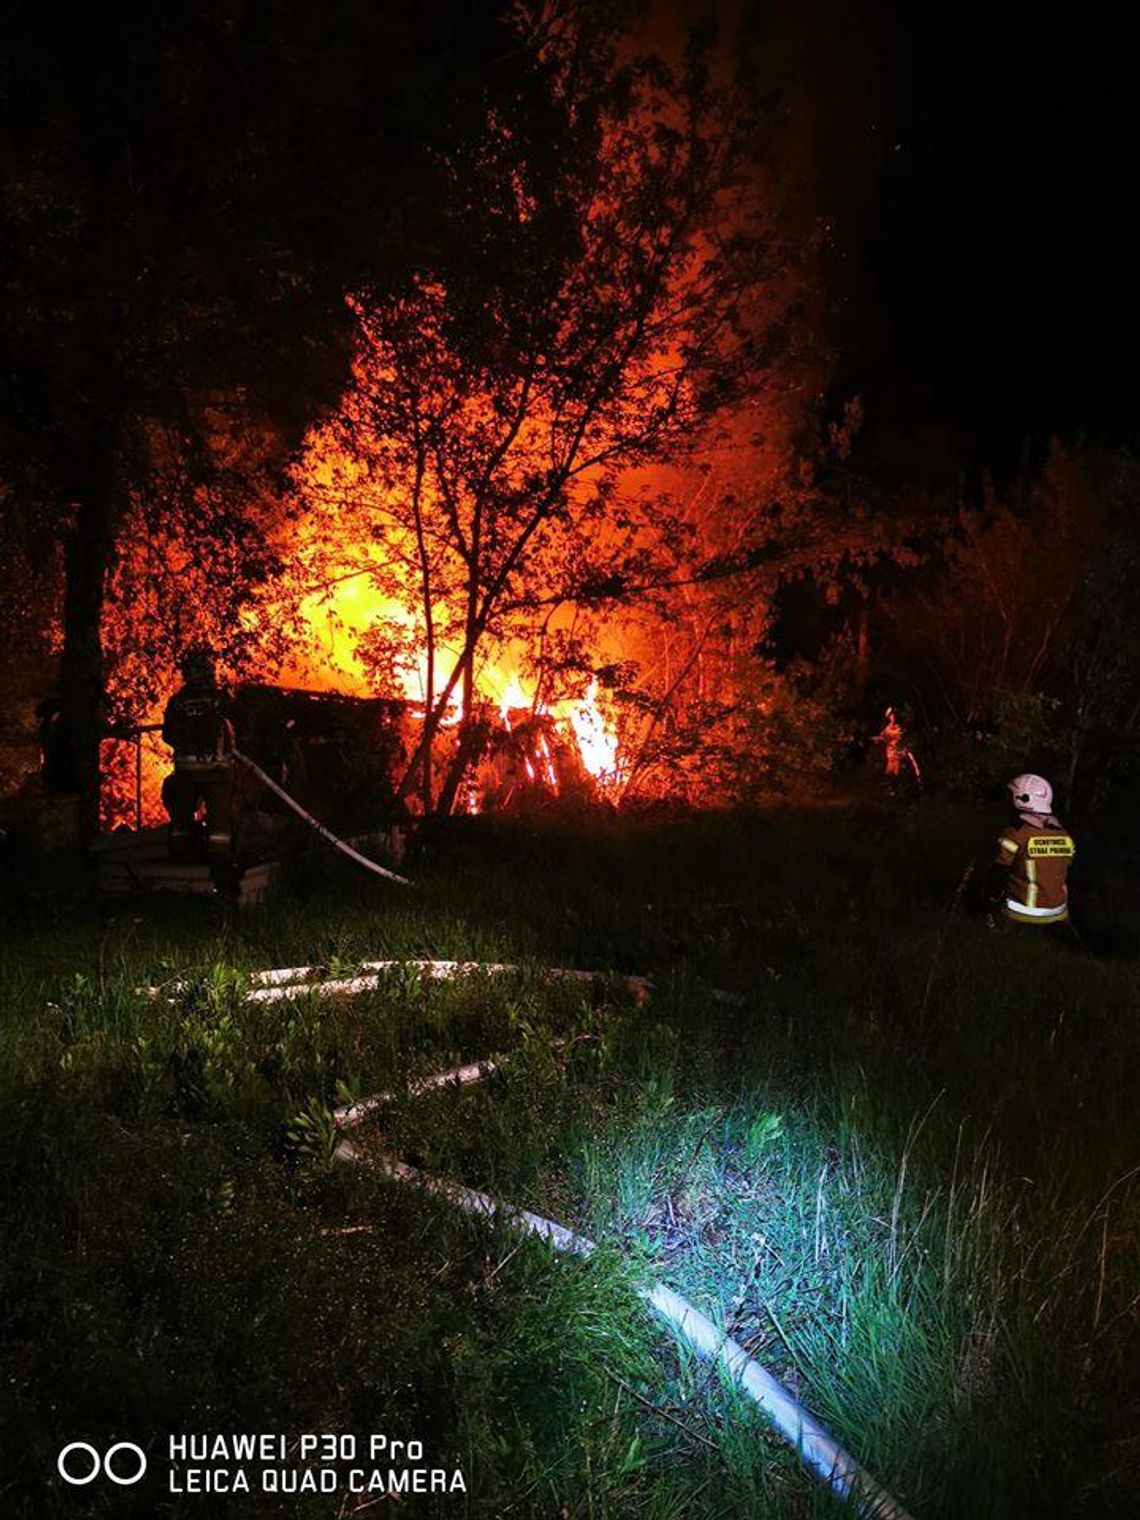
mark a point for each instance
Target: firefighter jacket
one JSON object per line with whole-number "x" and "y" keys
{"x": 197, "y": 727}
{"x": 1037, "y": 858}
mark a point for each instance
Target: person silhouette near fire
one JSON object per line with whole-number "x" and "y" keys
{"x": 897, "y": 754}
{"x": 59, "y": 771}
{"x": 197, "y": 727}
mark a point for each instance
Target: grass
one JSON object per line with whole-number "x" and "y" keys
{"x": 898, "y": 1168}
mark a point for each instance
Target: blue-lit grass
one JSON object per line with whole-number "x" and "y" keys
{"x": 919, "y": 1311}
{"x": 904, "y": 1191}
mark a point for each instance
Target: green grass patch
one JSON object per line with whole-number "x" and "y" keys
{"x": 897, "y": 1166}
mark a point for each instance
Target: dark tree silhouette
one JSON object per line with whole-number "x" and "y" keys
{"x": 187, "y": 195}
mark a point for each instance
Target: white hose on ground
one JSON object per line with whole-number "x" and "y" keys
{"x": 315, "y": 823}
{"x": 272, "y": 986}
{"x": 458, "y": 1076}
{"x": 441, "y": 969}
{"x": 291, "y": 979}
{"x": 817, "y": 1449}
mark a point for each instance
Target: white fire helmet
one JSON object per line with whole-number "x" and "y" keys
{"x": 1031, "y": 794}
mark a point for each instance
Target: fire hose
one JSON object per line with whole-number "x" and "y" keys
{"x": 817, "y": 1449}
{"x": 315, "y": 824}
{"x": 820, "y": 1453}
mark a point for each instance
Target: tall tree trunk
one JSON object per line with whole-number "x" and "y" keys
{"x": 469, "y": 746}
{"x": 471, "y": 628}
{"x": 429, "y": 703}
{"x": 467, "y": 700}
{"x": 468, "y": 743}
{"x": 863, "y": 644}
{"x": 88, "y": 554}
{"x": 463, "y": 675}
{"x": 428, "y": 598}
{"x": 470, "y": 737}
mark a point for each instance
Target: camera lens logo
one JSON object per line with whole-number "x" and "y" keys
{"x": 80, "y": 1463}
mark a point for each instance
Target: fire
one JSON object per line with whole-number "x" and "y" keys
{"x": 597, "y": 739}
{"x": 512, "y": 697}
{"x": 347, "y": 616}
{"x": 340, "y": 617}
{"x": 582, "y": 720}
{"x": 133, "y": 772}
{"x": 332, "y": 619}
{"x": 327, "y": 659}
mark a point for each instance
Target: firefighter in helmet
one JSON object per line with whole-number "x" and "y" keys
{"x": 198, "y": 729}
{"x": 1033, "y": 858}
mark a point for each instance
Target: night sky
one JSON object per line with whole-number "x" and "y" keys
{"x": 980, "y": 164}
{"x": 977, "y": 165}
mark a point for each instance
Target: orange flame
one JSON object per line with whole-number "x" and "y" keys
{"x": 597, "y": 738}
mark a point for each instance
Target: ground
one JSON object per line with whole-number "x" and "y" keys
{"x": 898, "y": 1162}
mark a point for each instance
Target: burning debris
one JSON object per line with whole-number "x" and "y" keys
{"x": 344, "y": 757}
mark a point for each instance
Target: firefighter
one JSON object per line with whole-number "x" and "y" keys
{"x": 1033, "y": 859}
{"x": 58, "y": 769}
{"x": 890, "y": 736}
{"x": 197, "y": 727}
{"x": 897, "y": 752}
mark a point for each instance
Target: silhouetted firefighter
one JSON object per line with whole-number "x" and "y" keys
{"x": 58, "y": 769}
{"x": 197, "y": 727}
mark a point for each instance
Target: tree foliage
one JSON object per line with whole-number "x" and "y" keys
{"x": 503, "y": 444}
{"x": 1023, "y": 648}
{"x": 187, "y": 195}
